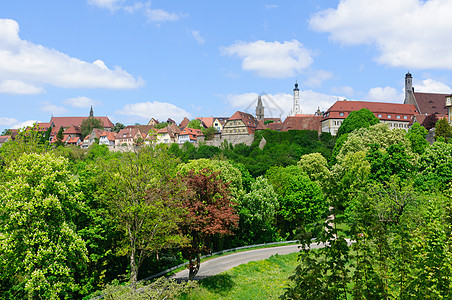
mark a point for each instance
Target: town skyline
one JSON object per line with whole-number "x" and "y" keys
{"x": 133, "y": 60}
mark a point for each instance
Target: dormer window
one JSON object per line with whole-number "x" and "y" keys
{"x": 389, "y": 116}
{"x": 341, "y": 114}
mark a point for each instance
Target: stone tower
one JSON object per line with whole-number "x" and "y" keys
{"x": 259, "y": 109}
{"x": 408, "y": 89}
{"x": 296, "y": 101}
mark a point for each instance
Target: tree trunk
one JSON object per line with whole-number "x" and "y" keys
{"x": 133, "y": 272}
{"x": 193, "y": 269}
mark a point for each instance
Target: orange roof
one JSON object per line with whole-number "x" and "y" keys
{"x": 73, "y": 130}
{"x": 111, "y": 136}
{"x": 249, "y": 120}
{"x": 382, "y": 110}
{"x": 206, "y": 122}
{"x": 184, "y": 122}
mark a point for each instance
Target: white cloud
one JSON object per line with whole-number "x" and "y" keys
{"x": 24, "y": 124}
{"x": 316, "y": 78}
{"x": 157, "y": 110}
{"x": 81, "y": 102}
{"x": 431, "y": 86}
{"x": 271, "y": 59}
{"x": 53, "y": 109}
{"x": 197, "y": 36}
{"x": 19, "y": 87}
{"x": 31, "y": 64}
{"x": 271, "y": 6}
{"x": 386, "y": 94}
{"x": 347, "y": 91}
{"x": 7, "y": 121}
{"x": 282, "y": 103}
{"x": 108, "y": 4}
{"x": 160, "y": 15}
{"x": 408, "y": 33}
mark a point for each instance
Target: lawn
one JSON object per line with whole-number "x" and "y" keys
{"x": 265, "y": 279}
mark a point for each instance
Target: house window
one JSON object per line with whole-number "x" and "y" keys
{"x": 405, "y": 117}
{"x": 341, "y": 114}
{"x": 389, "y": 116}
{"x": 398, "y": 117}
{"x": 379, "y": 115}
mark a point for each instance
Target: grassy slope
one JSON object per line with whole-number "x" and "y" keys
{"x": 264, "y": 279}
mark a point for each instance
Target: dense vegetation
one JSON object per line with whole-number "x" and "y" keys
{"x": 74, "y": 221}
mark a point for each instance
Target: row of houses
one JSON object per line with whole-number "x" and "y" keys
{"x": 241, "y": 126}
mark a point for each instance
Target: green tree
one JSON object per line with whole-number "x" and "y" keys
{"x": 142, "y": 203}
{"x": 89, "y": 124}
{"x": 195, "y": 124}
{"x": 258, "y": 210}
{"x": 209, "y": 132}
{"x": 362, "y": 118}
{"x": 417, "y": 136}
{"x": 316, "y": 167}
{"x": 42, "y": 255}
{"x": 443, "y": 129}
{"x": 117, "y": 127}
{"x": 59, "y": 137}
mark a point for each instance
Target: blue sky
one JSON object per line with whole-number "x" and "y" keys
{"x": 134, "y": 60}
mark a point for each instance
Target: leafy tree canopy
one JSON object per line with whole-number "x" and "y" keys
{"x": 89, "y": 124}
{"x": 362, "y": 118}
{"x": 195, "y": 124}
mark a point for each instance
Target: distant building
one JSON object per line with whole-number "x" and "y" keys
{"x": 259, "y": 109}
{"x": 240, "y": 124}
{"x": 396, "y": 115}
{"x": 296, "y": 109}
{"x": 189, "y": 135}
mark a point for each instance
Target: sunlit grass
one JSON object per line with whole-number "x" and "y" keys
{"x": 265, "y": 279}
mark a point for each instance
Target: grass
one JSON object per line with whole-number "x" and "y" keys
{"x": 265, "y": 279}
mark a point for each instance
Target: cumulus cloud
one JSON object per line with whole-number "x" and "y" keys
{"x": 53, "y": 109}
{"x": 386, "y": 94}
{"x": 107, "y": 4}
{"x": 25, "y": 64}
{"x": 271, "y": 59}
{"x": 408, "y": 33}
{"x": 81, "y": 102}
{"x": 160, "y": 15}
{"x": 271, "y": 6}
{"x": 7, "y": 121}
{"x": 281, "y": 104}
{"x": 432, "y": 86}
{"x": 316, "y": 78}
{"x": 19, "y": 87}
{"x": 156, "y": 110}
{"x": 197, "y": 36}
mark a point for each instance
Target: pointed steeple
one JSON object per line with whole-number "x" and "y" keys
{"x": 91, "y": 113}
{"x": 259, "y": 109}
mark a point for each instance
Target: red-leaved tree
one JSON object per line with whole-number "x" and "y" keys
{"x": 210, "y": 212}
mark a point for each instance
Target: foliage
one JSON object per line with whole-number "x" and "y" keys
{"x": 162, "y": 288}
{"x": 430, "y": 121}
{"x": 379, "y": 134}
{"x": 89, "y": 124}
{"x": 161, "y": 125}
{"x": 59, "y": 137}
{"x": 226, "y": 172}
{"x": 209, "y": 132}
{"x": 258, "y": 210}
{"x": 316, "y": 167}
{"x": 41, "y": 252}
{"x": 117, "y": 127}
{"x": 362, "y": 118}
{"x": 435, "y": 166}
{"x": 443, "y": 129}
{"x": 417, "y": 136}
{"x": 195, "y": 124}
{"x": 210, "y": 213}
{"x": 142, "y": 202}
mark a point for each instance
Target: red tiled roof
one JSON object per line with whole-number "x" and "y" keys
{"x": 275, "y": 120}
{"x": 111, "y": 136}
{"x": 430, "y": 103}
{"x": 43, "y": 126}
{"x": 302, "y": 122}
{"x": 206, "y": 122}
{"x": 127, "y": 133}
{"x": 73, "y": 130}
{"x": 249, "y": 120}
{"x": 4, "y": 138}
{"x": 388, "y": 111}
{"x": 275, "y": 126}
{"x": 69, "y": 121}
{"x": 261, "y": 125}
{"x": 184, "y": 123}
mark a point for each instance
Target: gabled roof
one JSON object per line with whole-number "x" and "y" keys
{"x": 430, "y": 103}
{"x": 4, "y": 138}
{"x": 192, "y": 133}
{"x": 43, "y": 126}
{"x": 206, "y": 121}
{"x": 111, "y": 136}
{"x": 73, "y": 130}
{"x": 184, "y": 123}
{"x": 275, "y": 126}
{"x": 261, "y": 125}
{"x": 74, "y": 140}
{"x": 302, "y": 122}
{"x": 128, "y": 133}
{"x": 69, "y": 121}
{"x": 172, "y": 130}
{"x": 249, "y": 120}
{"x": 385, "y": 109}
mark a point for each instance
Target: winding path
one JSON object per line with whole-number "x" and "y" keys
{"x": 220, "y": 264}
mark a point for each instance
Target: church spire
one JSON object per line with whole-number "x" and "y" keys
{"x": 259, "y": 109}
{"x": 91, "y": 113}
